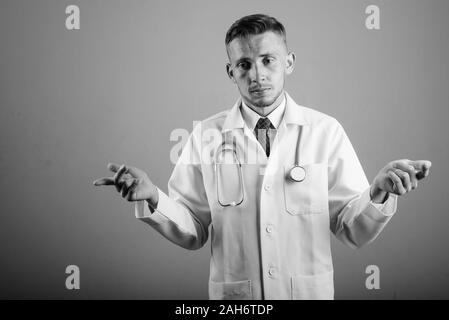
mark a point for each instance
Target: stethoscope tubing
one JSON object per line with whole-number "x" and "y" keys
{"x": 217, "y": 176}
{"x": 297, "y": 173}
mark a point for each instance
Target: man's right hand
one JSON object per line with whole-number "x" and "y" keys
{"x": 132, "y": 183}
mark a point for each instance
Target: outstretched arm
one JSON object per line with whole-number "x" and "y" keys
{"x": 182, "y": 218}
{"x": 359, "y": 211}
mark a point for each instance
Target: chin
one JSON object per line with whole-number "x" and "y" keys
{"x": 262, "y": 102}
{"x": 265, "y": 102}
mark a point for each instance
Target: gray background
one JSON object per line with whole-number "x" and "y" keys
{"x": 113, "y": 91}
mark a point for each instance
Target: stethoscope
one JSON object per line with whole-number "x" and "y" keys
{"x": 223, "y": 147}
{"x": 297, "y": 173}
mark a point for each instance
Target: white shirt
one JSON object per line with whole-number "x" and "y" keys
{"x": 251, "y": 117}
{"x": 276, "y": 243}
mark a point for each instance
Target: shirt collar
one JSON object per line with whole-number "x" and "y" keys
{"x": 251, "y": 117}
{"x": 294, "y": 114}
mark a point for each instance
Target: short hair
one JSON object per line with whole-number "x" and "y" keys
{"x": 254, "y": 24}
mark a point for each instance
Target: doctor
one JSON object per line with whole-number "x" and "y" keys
{"x": 272, "y": 183}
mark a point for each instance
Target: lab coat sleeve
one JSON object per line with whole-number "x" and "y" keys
{"x": 354, "y": 218}
{"x": 182, "y": 216}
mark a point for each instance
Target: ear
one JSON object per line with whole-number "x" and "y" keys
{"x": 230, "y": 72}
{"x": 290, "y": 63}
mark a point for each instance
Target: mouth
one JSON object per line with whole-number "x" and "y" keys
{"x": 260, "y": 91}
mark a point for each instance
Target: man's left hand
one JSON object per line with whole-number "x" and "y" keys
{"x": 398, "y": 177}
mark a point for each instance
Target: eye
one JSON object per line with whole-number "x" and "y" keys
{"x": 267, "y": 60}
{"x": 244, "y": 65}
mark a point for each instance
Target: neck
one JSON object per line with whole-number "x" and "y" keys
{"x": 266, "y": 110}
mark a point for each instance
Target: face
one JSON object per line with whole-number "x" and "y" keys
{"x": 258, "y": 65}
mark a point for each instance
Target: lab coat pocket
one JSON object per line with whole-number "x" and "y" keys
{"x": 311, "y": 194}
{"x": 237, "y": 290}
{"x": 313, "y": 287}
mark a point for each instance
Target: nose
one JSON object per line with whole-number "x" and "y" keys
{"x": 257, "y": 73}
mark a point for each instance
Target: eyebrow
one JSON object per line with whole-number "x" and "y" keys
{"x": 244, "y": 59}
{"x": 263, "y": 55}
{"x": 267, "y": 54}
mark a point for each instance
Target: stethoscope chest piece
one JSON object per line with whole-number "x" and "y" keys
{"x": 297, "y": 173}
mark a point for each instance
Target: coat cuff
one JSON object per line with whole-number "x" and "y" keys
{"x": 381, "y": 212}
{"x": 143, "y": 211}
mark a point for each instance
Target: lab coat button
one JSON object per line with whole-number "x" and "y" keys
{"x": 267, "y": 187}
{"x": 271, "y": 271}
{"x": 269, "y": 228}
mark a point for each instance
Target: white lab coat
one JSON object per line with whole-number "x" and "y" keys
{"x": 276, "y": 243}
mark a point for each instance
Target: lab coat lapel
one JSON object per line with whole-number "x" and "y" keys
{"x": 294, "y": 114}
{"x": 234, "y": 118}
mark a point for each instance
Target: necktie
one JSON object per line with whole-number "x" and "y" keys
{"x": 265, "y": 133}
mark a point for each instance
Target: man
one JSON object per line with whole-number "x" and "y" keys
{"x": 270, "y": 222}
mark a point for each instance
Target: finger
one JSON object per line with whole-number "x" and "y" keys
{"x": 421, "y": 165}
{"x": 119, "y": 173}
{"x": 135, "y": 172}
{"x": 113, "y": 167}
{"x": 411, "y": 173}
{"x": 421, "y": 175}
{"x": 130, "y": 196}
{"x": 405, "y": 178}
{"x": 125, "y": 187}
{"x": 426, "y": 168}
{"x": 123, "y": 183}
{"x": 398, "y": 187}
{"x": 103, "y": 182}
{"x": 128, "y": 185}
{"x": 119, "y": 185}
